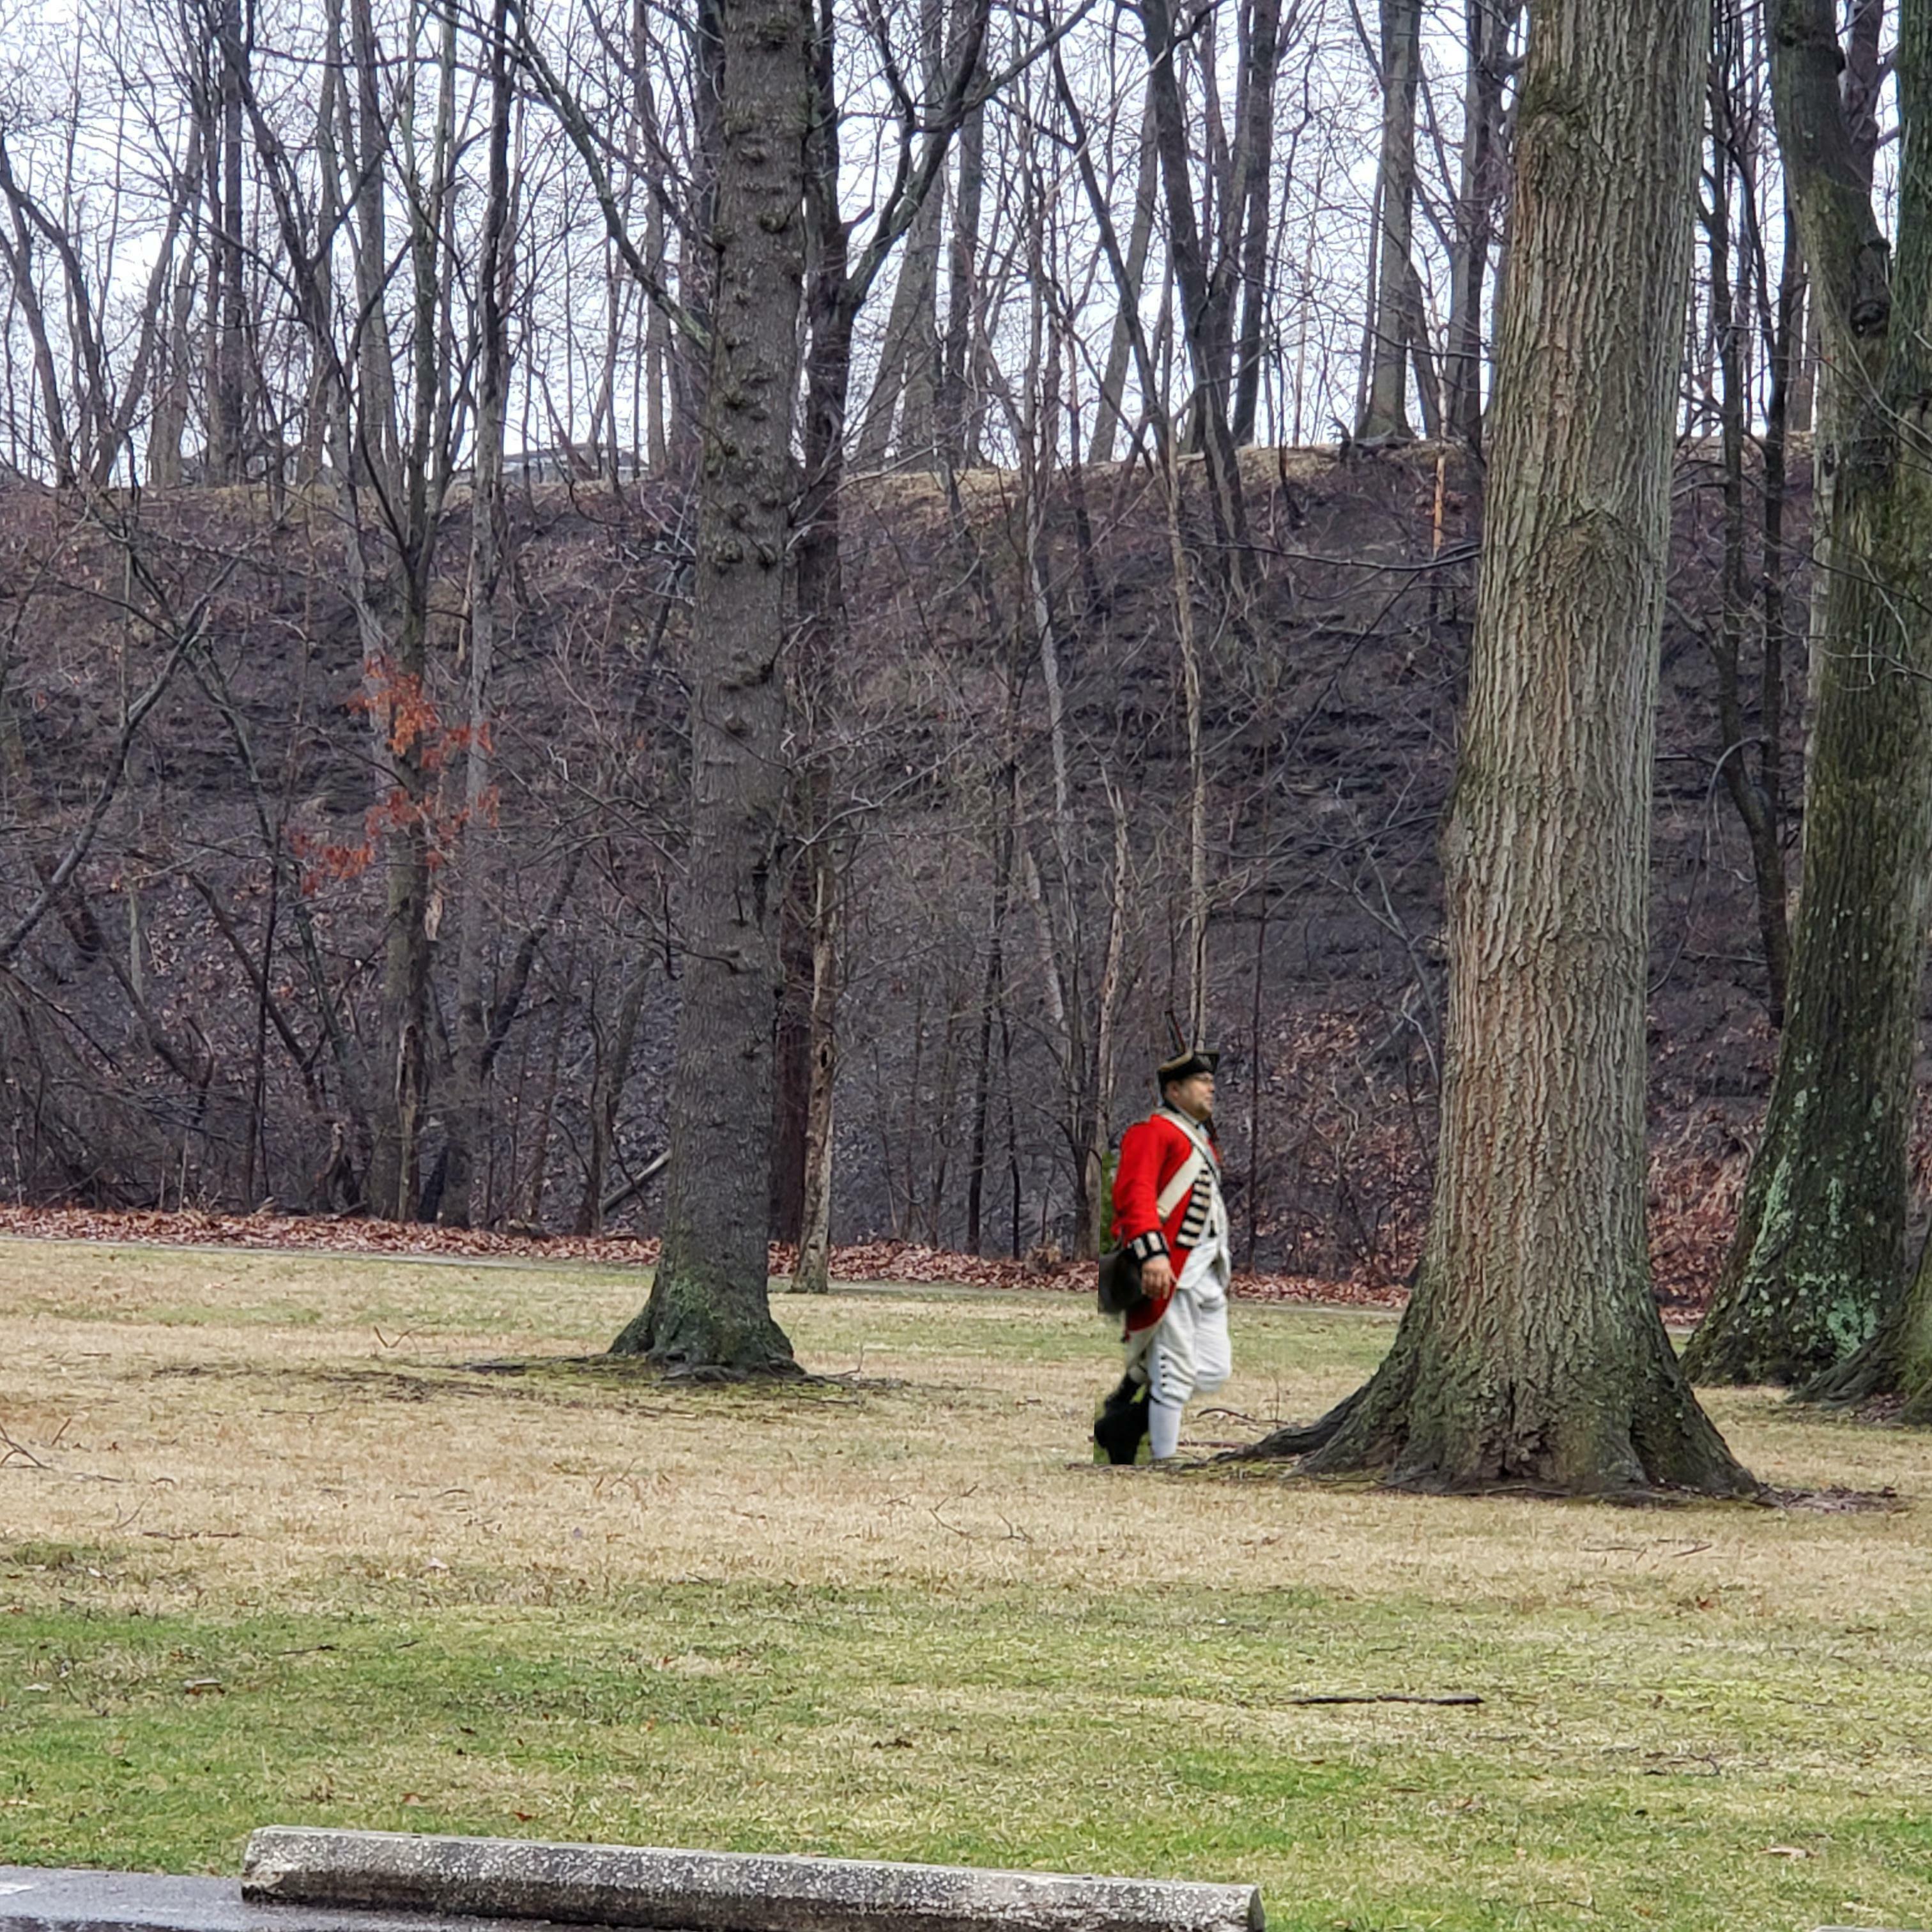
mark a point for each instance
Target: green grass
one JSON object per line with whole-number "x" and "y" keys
{"x": 1616, "y": 1771}
{"x": 370, "y": 1590}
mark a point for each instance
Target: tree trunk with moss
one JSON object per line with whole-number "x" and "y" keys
{"x": 1897, "y": 1360}
{"x": 709, "y": 1310}
{"x": 1532, "y": 1351}
{"x": 1819, "y": 1252}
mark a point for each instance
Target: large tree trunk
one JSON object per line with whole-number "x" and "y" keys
{"x": 1532, "y": 1350}
{"x": 1819, "y": 1251}
{"x": 1897, "y": 1360}
{"x": 709, "y": 1310}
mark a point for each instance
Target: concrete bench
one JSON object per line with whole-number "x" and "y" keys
{"x": 295, "y": 1879}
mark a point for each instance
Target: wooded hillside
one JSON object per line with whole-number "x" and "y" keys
{"x": 999, "y": 744}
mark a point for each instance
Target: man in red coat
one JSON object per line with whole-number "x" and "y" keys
{"x": 1169, "y": 1212}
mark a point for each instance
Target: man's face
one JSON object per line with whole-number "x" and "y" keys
{"x": 1194, "y": 1096}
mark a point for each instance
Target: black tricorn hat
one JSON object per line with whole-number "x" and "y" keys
{"x": 1185, "y": 1066}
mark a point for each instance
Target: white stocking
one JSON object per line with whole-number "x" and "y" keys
{"x": 1163, "y": 1429}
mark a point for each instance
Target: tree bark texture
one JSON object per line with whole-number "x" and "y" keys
{"x": 1820, "y": 1250}
{"x": 709, "y": 1308}
{"x": 1532, "y": 1350}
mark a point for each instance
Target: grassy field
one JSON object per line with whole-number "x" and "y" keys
{"x": 269, "y": 1551}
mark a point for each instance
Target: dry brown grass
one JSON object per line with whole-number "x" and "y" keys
{"x": 272, "y": 1421}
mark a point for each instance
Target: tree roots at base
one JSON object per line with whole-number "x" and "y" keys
{"x": 1438, "y": 1437}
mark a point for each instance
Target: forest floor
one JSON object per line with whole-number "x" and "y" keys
{"x": 272, "y": 1549}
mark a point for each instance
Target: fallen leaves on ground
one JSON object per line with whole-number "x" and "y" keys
{"x": 865, "y": 1261}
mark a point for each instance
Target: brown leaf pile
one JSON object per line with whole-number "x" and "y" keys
{"x": 868, "y": 1261}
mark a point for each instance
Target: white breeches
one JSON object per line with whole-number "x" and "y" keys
{"x": 1188, "y": 1353}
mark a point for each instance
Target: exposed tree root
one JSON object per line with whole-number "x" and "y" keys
{"x": 1297, "y": 1439}
{"x": 641, "y": 1368}
{"x": 1437, "y": 1419}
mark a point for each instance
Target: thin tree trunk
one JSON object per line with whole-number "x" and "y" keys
{"x": 837, "y": 288}
{"x": 325, "y": 384}
{"x": 1109, "y": 417}
{"x": 658, "y": 347}
{"x": 228, "y": 429}
{"x": 607, "y": 1096}
{"x": 1747, "y": 793}
{"x": 368, "y": 147}
{"x": 399, "y": 675}
{"x": 812, "y": 1275}
{"x": 465, "y": 1116}
{"x": 1385, "y": 417}
{"x": 958, "y": 410}
{"x": 820, "y": 589}
{"x": 1206, "y": 300}
{"x": 1249, "y": 236}
{"x": 905, "y": 371}
{"x": 1106, "y": 1031}
{"x": 1489, "y": 28}
{"x": 168, "y": 421}
{"x": 992, "y": 988}
{"x": 17, "y": 254}
{"x": 791, "y": 1079}
{"x": 1181, "y": 580}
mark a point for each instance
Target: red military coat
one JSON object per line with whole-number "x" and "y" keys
{"x": 1153, "y": 1151}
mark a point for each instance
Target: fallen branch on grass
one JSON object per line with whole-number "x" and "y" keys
{"x": 1458, "y": 1698}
